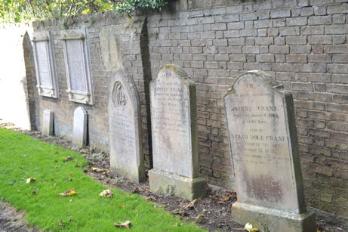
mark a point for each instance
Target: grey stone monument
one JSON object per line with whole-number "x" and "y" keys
{"x": 47, "y": 123}
{"x": 80, "y": 127}
{"x": 126, "y": 154}
{"x": 263, "y": 141}
{"x": 174, "y": 138}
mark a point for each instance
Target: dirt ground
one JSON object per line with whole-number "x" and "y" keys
{"x": 212, "y": 212}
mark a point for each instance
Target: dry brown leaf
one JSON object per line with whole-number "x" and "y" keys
{"x": 107, "y": 193}
{"x": 227, "y": 197}
{"x": 127, "y": 224}
{"x": 191, "y": 205}
{"x": 68, "y": 158}
{"x": 68, "y": 193}
{"x": 30, "y": 180}
{"x": 99, "y": 170}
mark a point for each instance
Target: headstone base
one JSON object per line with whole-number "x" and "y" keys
{"x": 133, "y": 177}
{"x": 170, "y": 184}
{"x": 270, "y": 220}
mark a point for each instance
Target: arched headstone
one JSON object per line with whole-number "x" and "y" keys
{"x": 47, "y": 123}
{"x": 80, "y": 127}
{"x": 262, "y": 132}
{"x": 174, "y": 139}
{"x": 126, "y": 154}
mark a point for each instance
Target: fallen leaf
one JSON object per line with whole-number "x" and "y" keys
{"x": 250, "y": 228}
{"x": 107, "y": 193}
{"x": 126, "y": 224}
{"x": 68, "y": 158}
{"x": 190, "y": 205}
{"x": 68, "y": 193}
{"x": 200, "y": 218}
{"x": 227, "y": 197}
{"x": 30, "y": 180}
{"x": 99, "y": 170}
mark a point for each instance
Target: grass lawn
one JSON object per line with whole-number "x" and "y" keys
{"x": 22, "y": 156}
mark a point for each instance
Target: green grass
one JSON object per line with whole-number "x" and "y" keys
{"x": 22, "y": 156}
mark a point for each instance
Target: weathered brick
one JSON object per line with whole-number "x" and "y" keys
{"x": 265, "y": 58}
{"x": 320, "y": 39}
{"x": 319, "y": 20}
{"x": 336, "y": 29}
{"x": 289, "y": 31}
{"x": 338, "y": 9}
{"x": 337, "y": 88}
{"x": 296, "y": 40}
{"x": 340, "y": 78}
{"x": 338, "y": 68}
{"x": 235, "y": 25}
{"x": 280, "y": 13}
{"x": 299, "y": 21}
{"x": 319, "y": 58}
{"x": 263, "y": 40}
{"x": 312, "y": 30}
{"x": 300, "y": 49}
{"x": 296, "y": 58}
{"x": 279, "y": 49}
{"x": 302, "y": 86}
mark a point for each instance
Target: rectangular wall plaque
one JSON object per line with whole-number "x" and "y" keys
{"x": 44, "y": 65}
{"x": 77, "y": 67}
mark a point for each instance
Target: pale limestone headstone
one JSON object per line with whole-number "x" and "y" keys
{"x": 263, "y": 141}
{"x": 174, "y": 135}
{"x": 80, "y": 127}
{"x": 110, "y": 50}
{"x": 126, "y": 154}
{"x": 47, "y": 123}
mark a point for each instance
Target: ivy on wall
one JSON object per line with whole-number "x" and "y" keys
{"x": 27, "y": 10}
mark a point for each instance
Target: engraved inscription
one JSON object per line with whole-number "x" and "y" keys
{"x": 118, "y": 96}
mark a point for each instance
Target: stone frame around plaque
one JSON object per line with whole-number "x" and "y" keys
{"x": 84, "y": 96}
{"x": 45, "y": 90}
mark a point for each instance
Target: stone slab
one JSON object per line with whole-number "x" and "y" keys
{"x": 110, "y": 50}
{"x": 126, "y": 153}
{"x": 168, "y": 184}
{"x": 80, "y": 127}
{"x": 174, "y": 132}
{"x": 268, "y": 220}
{"x": 47, "y": 123}
{"x": 264, "y": 149}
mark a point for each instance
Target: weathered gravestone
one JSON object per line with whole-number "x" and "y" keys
{"x": 80, "y": 127}
{"x": 47, "y": 123}
{"x": 174, "y": 138}
{"x": 126, "y": 154}
{"x": 264, "y": 148}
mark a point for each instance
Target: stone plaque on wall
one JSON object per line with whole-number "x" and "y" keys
{"x": 126, "y": 154}
{"x": 174, "y": 138}
{"x": 80, "y": 127}
{"x": 77, "y": 66}
{"x": 263, "y": 141}
{"x": 47, "y": 123}
{"x": 110, "y": 50}
{"x": 44, "y": 65}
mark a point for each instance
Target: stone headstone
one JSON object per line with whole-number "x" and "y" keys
{"x": 126, "y": 154}
{"x": 174, "y": 138}
{"x": 263, "y": 141}
{"x": 80, "y": 127}
{"x": 47, "y": 123}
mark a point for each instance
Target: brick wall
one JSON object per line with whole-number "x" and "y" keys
{"x": 129, "y": 42}
{"x": 302, "y": 44}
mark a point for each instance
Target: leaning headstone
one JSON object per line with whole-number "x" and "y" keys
{"x": 263, "y": 141}
{"x": 126, "y": 154}
{"x": 174, "y": 135}
{"x": 47, "y": 123}
{"x": 80, "y": 127}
